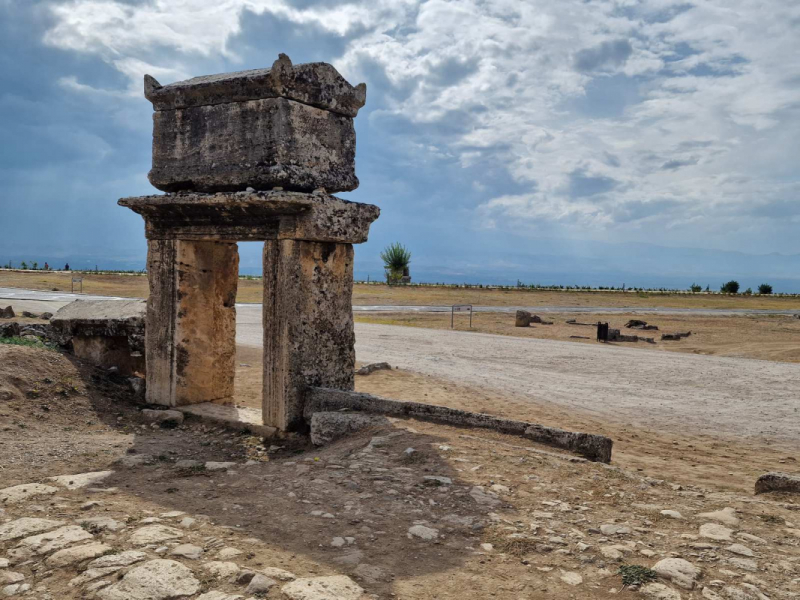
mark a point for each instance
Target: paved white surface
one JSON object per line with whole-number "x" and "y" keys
{"x": 715, "y": 395}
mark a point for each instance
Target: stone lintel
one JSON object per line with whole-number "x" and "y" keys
{"x": 254, "y": 216}
{"x": 315, "y": 84}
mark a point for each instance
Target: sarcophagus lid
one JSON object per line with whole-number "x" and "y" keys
{"x": 288, "y": 126}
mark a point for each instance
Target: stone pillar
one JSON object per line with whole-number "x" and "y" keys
{"x": 191, "y": 321}
{"x": 308, "y": 325}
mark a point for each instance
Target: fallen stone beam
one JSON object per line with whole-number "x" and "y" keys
{"x": 778, "y": 482}
{"x": 594, "y": 447}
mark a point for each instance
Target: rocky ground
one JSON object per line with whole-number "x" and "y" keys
{"x": 96, "y": 502}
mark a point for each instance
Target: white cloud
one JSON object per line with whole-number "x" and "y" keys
{"x": 705, "y": 127}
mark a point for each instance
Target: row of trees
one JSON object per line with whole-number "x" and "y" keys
{"x": 732, "y": 287}
{"x": 25, "y": 265}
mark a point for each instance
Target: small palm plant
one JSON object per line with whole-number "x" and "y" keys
{"x": 396, "y": 259}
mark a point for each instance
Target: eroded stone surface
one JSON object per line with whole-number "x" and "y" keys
{"x": 316, "y": 84}
{"x": 337, "y": 587}
{"x": 26, "y": 526}
{"x": 74, "y": 482}
{"x": 308, "y": 335}
{"x": 261, "y": 143}
{"x": 679, "y": 571}
{"x": 51, "y": 541}
{"x": 154, "y": 580}
{"x": 154, "y": 534}
{"x": 778, "y": 482}
{"x": 76, "y": 554}
{"x": 327, "y": 427}
{"x": 20, "y": 493}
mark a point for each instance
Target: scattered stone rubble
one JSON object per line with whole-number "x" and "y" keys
{"x": 675, "y": 336}
{"x": 639, "y": 324}
{"x": 517, "y": 524}
{"x": 372, "y": 367}
{"x": 524, "y": 318}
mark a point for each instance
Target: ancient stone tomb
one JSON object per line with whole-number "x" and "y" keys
{"x": 252, "y": 156}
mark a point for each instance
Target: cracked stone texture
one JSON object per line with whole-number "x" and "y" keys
{"x": 107, "y": 333}
{"x": 327, "y": 427}
{"x": 190, "y": 341}
{"x": 261, "y": 144}
{"x": 316, "y": 84}
{"x": 154, "y": 580}
{"x": 254, "y": 216}
{"x": 308, "y": 325}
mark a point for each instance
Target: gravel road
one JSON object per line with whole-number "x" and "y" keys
{"x": 663, "y": 390}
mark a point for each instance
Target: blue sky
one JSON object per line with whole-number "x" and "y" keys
{"x": 578, "y": 141}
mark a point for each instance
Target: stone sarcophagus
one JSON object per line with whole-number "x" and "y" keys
{"x": 252, "y": 156}
{"x": 288, "y": 126}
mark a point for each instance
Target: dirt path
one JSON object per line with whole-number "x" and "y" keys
{"x": 707, "y": 394}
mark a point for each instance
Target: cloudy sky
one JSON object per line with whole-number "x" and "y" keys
{"x": 502, "y": 139}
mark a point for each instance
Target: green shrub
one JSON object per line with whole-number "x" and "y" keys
{"x": 396, "y": 259}
{"x": 636, "y": 574}
{"x": 696, "y": 288}
{"x": 765, "y": 288}
{"x": 732, "y": 287}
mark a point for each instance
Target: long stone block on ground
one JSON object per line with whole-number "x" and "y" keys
{"x": 593, "y": 446}
{"x": 265, "y": 143}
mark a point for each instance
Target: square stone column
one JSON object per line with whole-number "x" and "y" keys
{"x": 308, "y": 325}
{"x": 190, "y": 341}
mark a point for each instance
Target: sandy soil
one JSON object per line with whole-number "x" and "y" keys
{"x": 774, "y": 337}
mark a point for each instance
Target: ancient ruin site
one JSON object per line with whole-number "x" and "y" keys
{"x": 191, "y": 431}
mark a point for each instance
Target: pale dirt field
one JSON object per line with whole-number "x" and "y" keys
{"x": 511, "y": 520}
{"x": 767, "y": 337}
{"x": 250, "y": 290}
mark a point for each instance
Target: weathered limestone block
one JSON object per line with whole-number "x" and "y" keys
{"x": 778, "y": 482}
{"x": 593, "y": 446}
{"x": 254, "y": 216}
{"x": 522, "y": 319}
{"x": 258, "y": 143}
{"x": 107, "y": 333}
{"x": 327, "y": 427}
{"x": 191, "y": 321}
{"x": 290, "y": 127}
{"x": 316, "y": 84}
{"x": 308, "y": 325}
